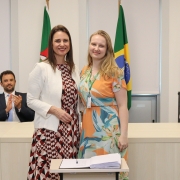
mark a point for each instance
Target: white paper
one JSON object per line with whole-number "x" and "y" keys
{"x": 71, "y": 163}
{"x": 108, "y": 161}
{"x": 89, "y": 102}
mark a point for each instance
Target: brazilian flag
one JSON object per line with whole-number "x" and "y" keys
{"x": 121, "y": 52}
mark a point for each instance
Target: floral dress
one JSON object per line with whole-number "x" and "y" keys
{"x": 101, "y": 123}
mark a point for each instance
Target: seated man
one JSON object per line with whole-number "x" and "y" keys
{"x": 13, "y": 106}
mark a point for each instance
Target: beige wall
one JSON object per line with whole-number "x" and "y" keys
{"x": 26, "y": 34}
{"x": 26, "y": 29}
{"x": 170, "y": 64}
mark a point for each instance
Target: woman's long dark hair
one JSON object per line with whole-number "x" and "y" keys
{"x": 69, "y": 56}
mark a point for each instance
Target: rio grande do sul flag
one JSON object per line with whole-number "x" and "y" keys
{"x": 121, "y": 52}
{"x": 45, "y": 35}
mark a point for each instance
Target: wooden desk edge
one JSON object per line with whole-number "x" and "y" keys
{"x": 55, "y": 163}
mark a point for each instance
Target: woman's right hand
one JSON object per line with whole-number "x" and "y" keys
{"x": 60, "y": 114}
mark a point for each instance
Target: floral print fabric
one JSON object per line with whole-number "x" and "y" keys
{"x": 101, "y": 123}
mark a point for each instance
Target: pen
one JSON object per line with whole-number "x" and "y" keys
{"x": 76, "y": 161}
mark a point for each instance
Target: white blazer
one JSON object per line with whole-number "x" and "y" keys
{"x": 44, "y": 91}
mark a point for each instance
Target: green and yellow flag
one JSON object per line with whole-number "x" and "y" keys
{"x": 121, "y": 52}
{"x": 45, "y": 35}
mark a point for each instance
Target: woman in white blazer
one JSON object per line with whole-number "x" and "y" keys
{"x": 53, "y": 95}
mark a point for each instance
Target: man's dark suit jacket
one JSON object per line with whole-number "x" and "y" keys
{"x": 26, "y": 114}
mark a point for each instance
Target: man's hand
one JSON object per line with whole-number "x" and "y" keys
{"x": 9, "y": 104}
{"x": 17, "y": 101}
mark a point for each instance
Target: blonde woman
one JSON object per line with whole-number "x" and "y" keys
{"x": 103, "y": 93}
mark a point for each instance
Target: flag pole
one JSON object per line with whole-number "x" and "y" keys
{"x": 119, "y": 3}
{"x": 47, "y": 2}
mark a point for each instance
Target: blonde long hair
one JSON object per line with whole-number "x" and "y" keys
{"x": 108, "y": 67}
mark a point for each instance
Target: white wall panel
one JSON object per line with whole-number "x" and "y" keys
{"x": 5, "y": 37}
{"x": 142, "y": 23}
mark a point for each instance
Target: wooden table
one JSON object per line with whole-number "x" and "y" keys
{"x": 86, "y": 173}
{"x": 154, "y": 150}
{"x": 15, "y": 143}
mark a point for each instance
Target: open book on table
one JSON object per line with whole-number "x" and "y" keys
{"x": 97, "y": 162}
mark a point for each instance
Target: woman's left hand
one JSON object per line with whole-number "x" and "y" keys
{"x": 122, "y": 142}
